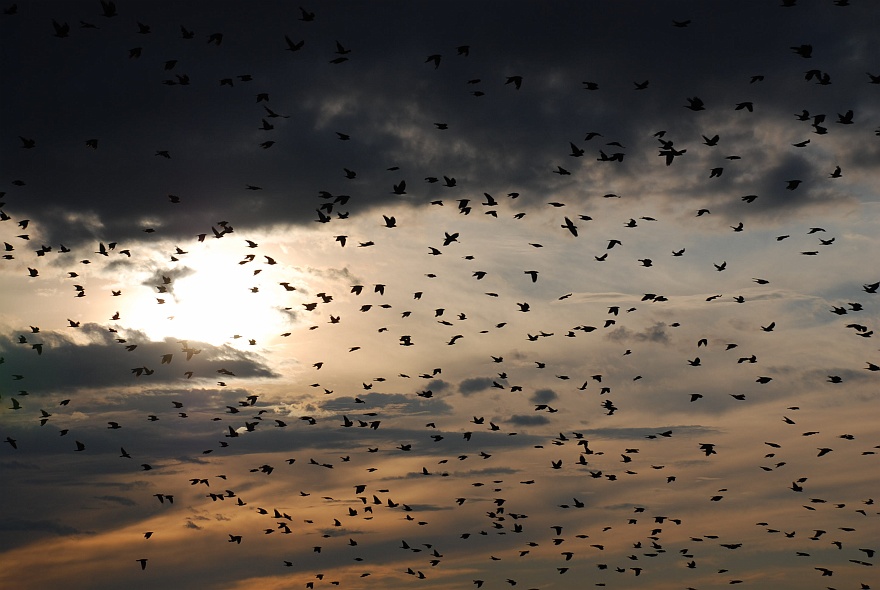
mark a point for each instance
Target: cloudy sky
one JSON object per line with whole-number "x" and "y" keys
{"x": 439, "y": 294}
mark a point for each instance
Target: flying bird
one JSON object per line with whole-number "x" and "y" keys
{"x": 695, "y": 104}
{"x": 515, "y": 80}
{"x": 293, "y": 45}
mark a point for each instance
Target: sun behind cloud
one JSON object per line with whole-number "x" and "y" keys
{"x": 214, "y": 302}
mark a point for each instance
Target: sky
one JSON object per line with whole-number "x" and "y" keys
{"x": 439, "y": 295}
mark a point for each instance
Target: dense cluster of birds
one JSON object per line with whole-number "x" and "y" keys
{"x": 656, "y": 541}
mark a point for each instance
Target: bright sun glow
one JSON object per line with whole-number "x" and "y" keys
{"x": 216, "y": 302}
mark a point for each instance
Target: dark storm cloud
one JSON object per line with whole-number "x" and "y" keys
{"x": 76, "y": 365}
{"x": 328, "y": 435}
{"x": 212, "y": 134}
{"x": 773, "y": 191}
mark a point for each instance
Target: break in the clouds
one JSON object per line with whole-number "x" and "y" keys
{"x": 439, "y": 294}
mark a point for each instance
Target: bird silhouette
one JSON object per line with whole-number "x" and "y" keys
{"x": 62, "y": 30}
{"x": 695, "y": 104}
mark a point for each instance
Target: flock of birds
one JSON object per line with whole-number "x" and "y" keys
{"x": 336, "y": 526}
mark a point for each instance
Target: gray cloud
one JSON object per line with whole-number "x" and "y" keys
{"x": 211, "y": 165}
{"x": 641, "y": 433}
{"x": 22, "y": 525}
{"x": 17, "y": 465}
{"x": 164, "y": 278}
{"x": 438, "y": 385}
{"x": 389, "y": 403}
{"x": 528, "y": 419}
{"x": 542, "y": 396}
{"x": 76, "y": 366}
{"x": 473, "y": 385}
{"x": 122, "y": 501}
{"x": 654, "y": 333}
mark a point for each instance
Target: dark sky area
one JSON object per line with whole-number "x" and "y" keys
{"x": 439, "y": 295}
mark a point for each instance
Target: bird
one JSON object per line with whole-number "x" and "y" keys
{"x": 62, "y": 30}
{"x": 695, "y": 104}
{"x": 515, "y": 80}
{"x": 108, "y": 8}
{"x": 570, "y": 226}
{"x": 293, "y": 45}
{"x": 805, "y": 50}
